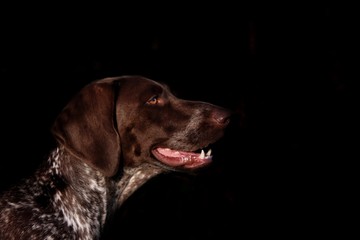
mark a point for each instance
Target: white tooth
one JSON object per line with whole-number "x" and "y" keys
{"x": 208, "y": 153}
{"x": 202, "y": 155}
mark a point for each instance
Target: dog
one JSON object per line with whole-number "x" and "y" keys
{"x": 112, "y": 137}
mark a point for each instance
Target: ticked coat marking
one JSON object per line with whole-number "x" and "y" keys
{"x": 113, "y": 136}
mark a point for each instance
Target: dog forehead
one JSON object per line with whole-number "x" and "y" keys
{"x": 139, "y": 86}
{"x": 128, "y": 79}
{"x": 136, "y": 87}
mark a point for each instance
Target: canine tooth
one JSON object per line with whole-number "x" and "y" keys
{"x": 202, "y": 155}
{"x": 208, "y": 153}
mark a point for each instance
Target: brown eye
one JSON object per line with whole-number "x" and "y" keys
{"x": 153, "y": 100}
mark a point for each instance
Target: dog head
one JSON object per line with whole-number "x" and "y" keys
{"x": 137, "y": 120}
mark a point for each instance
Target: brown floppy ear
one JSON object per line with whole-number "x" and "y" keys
{"x": 87, "y": 130}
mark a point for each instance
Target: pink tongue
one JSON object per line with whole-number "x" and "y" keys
{"x": 174, "y": 153}
{"x": 176, "y": 158}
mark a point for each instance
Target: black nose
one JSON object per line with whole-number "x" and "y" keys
{"x": 222, "y": 116}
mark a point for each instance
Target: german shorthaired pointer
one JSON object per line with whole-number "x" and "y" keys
{"x": 113, "y": 136}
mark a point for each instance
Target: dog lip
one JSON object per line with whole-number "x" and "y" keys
{"x": 183, "y": 159}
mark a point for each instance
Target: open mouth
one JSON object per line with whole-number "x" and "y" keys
{"x": 176, "y": 158}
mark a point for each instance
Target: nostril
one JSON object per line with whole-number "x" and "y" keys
{"x": 222, "y": 117}
{"x": 223, "y": 120}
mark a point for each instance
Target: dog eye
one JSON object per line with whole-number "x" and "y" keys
{"x": 153, "y": 100}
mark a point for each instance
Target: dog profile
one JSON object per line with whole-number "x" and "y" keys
{"x": 112, "y": 137}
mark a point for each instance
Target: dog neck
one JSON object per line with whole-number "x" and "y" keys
{"x": 133, "y": 178}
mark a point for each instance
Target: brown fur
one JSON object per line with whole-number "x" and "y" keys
{"x": 113, "y": 136}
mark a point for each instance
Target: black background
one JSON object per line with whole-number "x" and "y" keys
{"x": 285, "y": 168}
